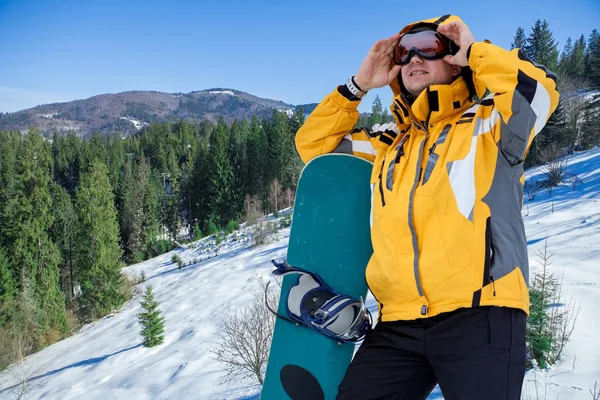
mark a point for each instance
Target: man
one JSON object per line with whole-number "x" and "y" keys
{"x": 450, "y": 268}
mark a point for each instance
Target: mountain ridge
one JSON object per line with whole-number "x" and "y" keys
{"x": 129, "y": 111}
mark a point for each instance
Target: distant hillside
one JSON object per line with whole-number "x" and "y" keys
{"x": 127, "y": 112}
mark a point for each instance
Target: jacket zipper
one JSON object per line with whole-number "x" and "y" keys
{"x": 381, "y": 183}
{"x": 424, "y": 307}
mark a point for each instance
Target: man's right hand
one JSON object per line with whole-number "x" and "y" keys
{"x": 378, "y": 69}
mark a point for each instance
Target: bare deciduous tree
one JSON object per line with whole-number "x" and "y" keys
{"x": 275, "y": 195}
{"x": 244, "y": 337}
{"x": 574, "y": 105}
{"x": 555, "y": 168}
{"x": 596, "y": 392}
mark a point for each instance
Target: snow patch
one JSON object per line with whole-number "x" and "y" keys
{"x": 135, "y": 122}
{"x": 51, "y": 115}
{"x": 221, "y": 92}
{"x": 288, "y": 112}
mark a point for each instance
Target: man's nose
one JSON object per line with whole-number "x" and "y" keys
{"x": 416, "y": 58}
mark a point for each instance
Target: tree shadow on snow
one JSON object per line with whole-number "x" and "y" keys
{"x": 83, "y": 363}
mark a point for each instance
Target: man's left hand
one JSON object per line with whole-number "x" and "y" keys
{"x": 460, "y": 34}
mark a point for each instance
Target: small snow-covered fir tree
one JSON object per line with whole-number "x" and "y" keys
{"x": 151, "y": 320}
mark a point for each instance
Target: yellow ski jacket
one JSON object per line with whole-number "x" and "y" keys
{"x": 447, "y": 182}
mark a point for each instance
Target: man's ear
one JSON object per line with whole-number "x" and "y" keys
{"x": 456, "y": 70}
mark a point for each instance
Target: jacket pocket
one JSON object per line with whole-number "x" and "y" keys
{"x": 389, "y": 182}
{"x": 433, "y": 156}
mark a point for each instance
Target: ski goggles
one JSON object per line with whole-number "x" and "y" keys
{"x": 429, "y": 45}
{"x": 312, "y": 303}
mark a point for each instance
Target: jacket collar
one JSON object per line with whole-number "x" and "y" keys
{"x": 433, "y": 104}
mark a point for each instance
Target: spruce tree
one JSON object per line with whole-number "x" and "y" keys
{"x": 201, "y": 186}
{"x": 296, "y": 121}
{"x": 257, "y": 159}
{"x": 238, "y": 155}
{"x": 63, "y": 232}
{"x": 221, "y": 174}
{"x": 66, "y": 152}
{"x": 565, "y": 64}
{"x": 187, "y": 194}
{"x": 151, "y": 321}
{"x": 281, "y": 149}
{"x": 31, "y": 250}
{"x": 591, "y": 125}
{"x": 132, "y": 196}
{"x": 9, "y": 144}
{"x": 592, "y": 58}
{"x": 519, "y": 40}
{"x": 376, "y": 112}
{"x": 541, "y": 46}
{"x": 578, "y": 58}
{"x": 115, "y": 156}
{"x": 8, "y": 286}
{"x": 98, "y": 244}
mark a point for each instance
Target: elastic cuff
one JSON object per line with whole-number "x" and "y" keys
{"x": 344, "y": 91}
{"x": 339, "y": 100}
{"x": 469, "y": 51}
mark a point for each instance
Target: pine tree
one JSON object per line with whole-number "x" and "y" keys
{"x": 98, "y": 244}
{"x": 9, "y": 143}
{"x": 239, "y": 162}
{"x": 376, "y": 112}
{"x": 257, "y": 159}
{"x": 592, "y": 58}
{"x": 564, "y": 64}
{"x": 115, "y": 157}
{"x": 519, "y": 40}
{"x": 30, "y": 248}
{"x": 66, "y": 152}
{"x": 541, "y": 46}
{"x": 63, "y": 233}
{"x": 577, "y": 61}
{"x": 8, "y": 285}
{"x": 591, "y": 126}
{"x": 296, "y": 121}
{"x": 172, "y": 204}
{"x": 97, "y": 149}
{"x": 150, "y": 226}
{"x": 151, "y": 321}
{"x": 221, "y": 174}
{"x": 201, "y": 186}
{"x": 132, "y": 193}
{"x": 281, "y": 149}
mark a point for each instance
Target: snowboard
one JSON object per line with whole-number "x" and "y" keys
{"x": 330, "y": 235}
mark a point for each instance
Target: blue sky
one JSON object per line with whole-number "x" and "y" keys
{"x": 297, "y": 52}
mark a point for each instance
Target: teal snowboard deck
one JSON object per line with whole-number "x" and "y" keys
{"x": 330, "y": 235}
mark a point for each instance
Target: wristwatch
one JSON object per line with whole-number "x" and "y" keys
{"x": 354, "y": 89}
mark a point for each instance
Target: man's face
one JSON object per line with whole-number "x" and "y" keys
{"x": 418, "y": 74}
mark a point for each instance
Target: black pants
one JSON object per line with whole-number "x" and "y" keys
{"x": 473, "y": 354}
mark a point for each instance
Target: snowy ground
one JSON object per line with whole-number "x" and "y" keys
{"x": 105, "y": 359}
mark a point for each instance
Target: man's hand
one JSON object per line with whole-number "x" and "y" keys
{"x": 377, "y": 69}
{"x": 460, "y": 34}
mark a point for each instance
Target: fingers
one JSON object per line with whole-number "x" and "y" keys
{"x": 451, "y": 30}
{"x": 385, "y": 46}
{"x": 394, "y": 72}
{"x": 450, "y": 59}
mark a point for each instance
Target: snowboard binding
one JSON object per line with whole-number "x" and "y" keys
{"x": 313, "y": 304}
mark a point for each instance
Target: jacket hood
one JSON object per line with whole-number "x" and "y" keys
{"x": 397, "y": 86}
